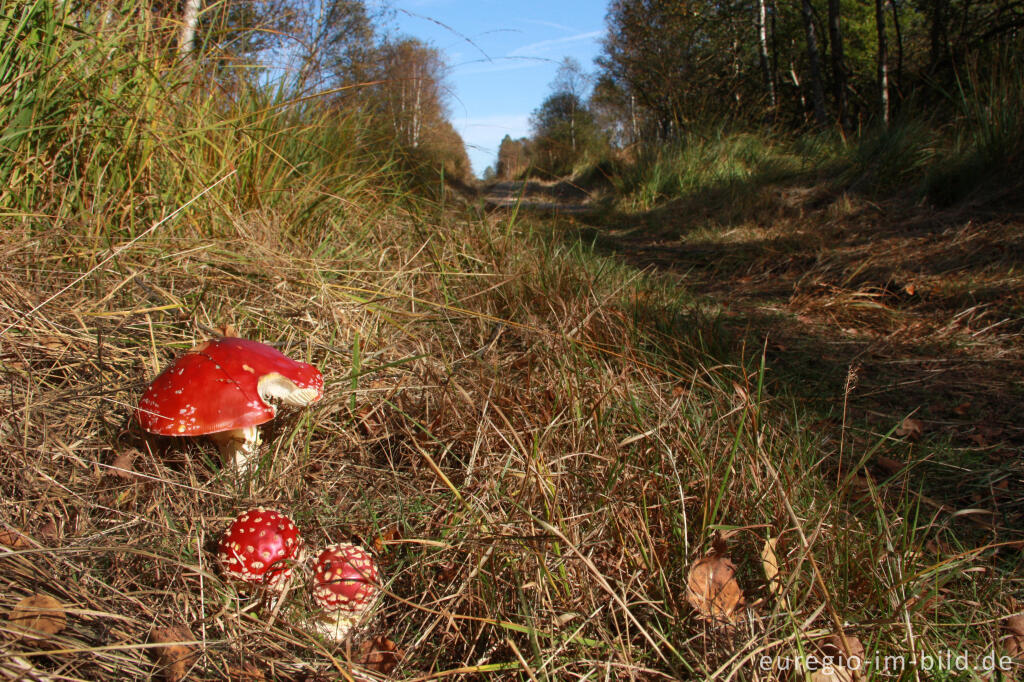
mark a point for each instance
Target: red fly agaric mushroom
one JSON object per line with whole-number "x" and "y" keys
{"x": 221, "y": 389}
{"x": 345, "y": 587}
{"x": 259, "y": 547}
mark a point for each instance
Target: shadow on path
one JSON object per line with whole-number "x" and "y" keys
{"x": 886, "y": 310}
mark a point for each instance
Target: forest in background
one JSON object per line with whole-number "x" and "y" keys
{"x": 147, "y": 99}
{"x": 925, "y": 95}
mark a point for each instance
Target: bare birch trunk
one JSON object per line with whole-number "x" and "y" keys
{"x": 187, "y": 33}
{"x": 883, "y": 63}
{"x": 416, "y": 118}
{"x": 762, "y": 32}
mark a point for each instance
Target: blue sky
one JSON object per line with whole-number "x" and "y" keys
{"x": 503, "y": 55}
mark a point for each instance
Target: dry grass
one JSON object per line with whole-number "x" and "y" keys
{"x": 532, "y": 438}
{"x": 538, "y": 441}
{"x": 925, "y": 303}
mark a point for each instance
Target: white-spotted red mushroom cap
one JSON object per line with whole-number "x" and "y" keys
{"x": 261, "y": 546}
{"x": 345, "y": 578}
{"x": 224, "y": 385}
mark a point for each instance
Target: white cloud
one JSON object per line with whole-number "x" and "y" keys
{"x": 549, "y": 24}
{"x": 527, "y": 56}
{"x": 546, "y": 47}
{"x": 499, "y": 64}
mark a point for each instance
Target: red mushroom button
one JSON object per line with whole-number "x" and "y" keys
{"x": 260, "y": 547}
{"x": 345, "y": 586}
{"x": 221, "y": 389}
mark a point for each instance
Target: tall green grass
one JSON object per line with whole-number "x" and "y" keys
{"x": 976, "y": 142}
{"x": 105, "y": 123}
{"x": 986, "y": 146}
{"x": 714, "y": 160}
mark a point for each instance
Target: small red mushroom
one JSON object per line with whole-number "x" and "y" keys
{"x": 259, "y": 547}
{"x": 346, "y": 584}
{"x": 221, "y": 389}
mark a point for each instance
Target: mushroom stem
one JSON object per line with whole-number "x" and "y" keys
{"x": 337, "y": 625}
{"x": 240, "y": 446}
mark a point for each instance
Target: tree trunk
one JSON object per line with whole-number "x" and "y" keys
{"x": 883, "y": 63}
{"x": 572, "y": 127}
{"x": 835, "y": 36}
{"x": 633, "y": 120}
{"x": 898, "y": 81}
{"x": 766, "y": 69}
{"x": 796, "y": 83}
{"x": 417, "y": 118}
{"x": 937, "y": 30}
{"x": 814, "y": 58}
{"x": 187, "y": 32}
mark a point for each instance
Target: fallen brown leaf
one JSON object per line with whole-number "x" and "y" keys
{"x": 836, "y": 662}
{"x": 227, "y": 329}
{"x": 50, "y": 531}
{"x": 889, "y": 465}
{"x": 123, "y": 465}
{"x": 12, "y": 539}
{"x": 1014, "y": 642}
{"x": 910, "y": 428}
{"x": 38, "y": 617}
{"x": 711, "y": 588}
{"x": 381, "y": 542}
{"x": 379, "y": 654}
{"x": 770, "y": 563}
{"x": 174, "y": 660}
{"x": 853, "y": 647}
{"x": 447, "y": 571}
{"x": 248, "y": 672}
{"x": 978, "y": 440}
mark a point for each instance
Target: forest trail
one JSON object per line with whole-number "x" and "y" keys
{"x": 903, "y": 316}
{"x": 553, "y": 197}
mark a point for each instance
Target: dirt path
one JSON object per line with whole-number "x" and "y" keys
{"x": 894, "y": 310}
{"x": 545, "y": 197}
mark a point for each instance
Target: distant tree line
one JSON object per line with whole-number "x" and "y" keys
{"x": 669, "y": 67}
{"x": 564, "y": 130}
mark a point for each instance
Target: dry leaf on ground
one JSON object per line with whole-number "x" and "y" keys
{"x": 845, "y": 660}
{"x": 247, "y": 672}
{"x": 770, "y": 562}
{"x": 123, "y": 465}
{"x": 51, "y": 531}
{"x": 835, "y": 662}
{"x": 711, "y": 588}
{"x": 38, "y": 617}
{"x": 227, "y": 329}
{"x": 889, "y": 465}
{"x": 1014, "y": 642}
{"x": 379, "y": 654}
{"x": 13, "y": 539}
{"x": 174, "y": 660}
{"x": 910, "y": 428}
{"x": 853, "y": 648}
